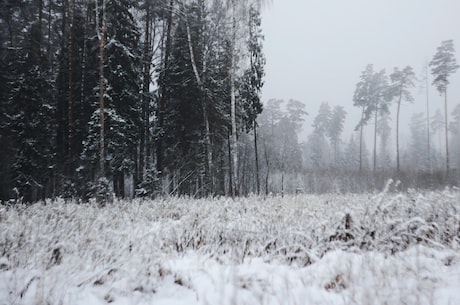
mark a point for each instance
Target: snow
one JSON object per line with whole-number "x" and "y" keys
{"x": 388, "y": 248}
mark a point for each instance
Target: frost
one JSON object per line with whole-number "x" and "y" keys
{"x": 306, "y": 249}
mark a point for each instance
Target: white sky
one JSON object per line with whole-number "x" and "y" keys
{"x": 317, "y": 49}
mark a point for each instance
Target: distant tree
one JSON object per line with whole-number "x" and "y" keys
{"x": 379, "y": 105}
{"x": 322, "y": 119}
{"x": 317, "y": 151}
{"x": 351, "y": 154}
{"x": 372, "y": 96}
{"x": 455, "y": 130}
{"x": 419, "y": 158}
{"x": 424, "y": 84}
{"x": 268, "y": 121}
{"x": 437, "y": 125}
{"x": 384, "y": 131}
{"x": 401, "y": 82}
{"x": 296, "y": 113}
{"x": 443, "y": 65}
{"x": 335, "y": 129}
{"x": 290, "y": 125}
{"x": 279, "y": 131}
{"x": 317, "y": 141}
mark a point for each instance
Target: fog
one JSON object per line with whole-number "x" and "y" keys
{"x": 316, "y": 50}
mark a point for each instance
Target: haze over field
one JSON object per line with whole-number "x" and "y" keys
{"x": 316, "y": 50}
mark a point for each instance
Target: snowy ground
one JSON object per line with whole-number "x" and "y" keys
{"x": 388, "y": 248}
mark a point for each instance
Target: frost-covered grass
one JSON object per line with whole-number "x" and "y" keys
{"x": 331, "y": 249}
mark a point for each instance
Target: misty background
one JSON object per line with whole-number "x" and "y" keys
{"x": 316, "y": 51}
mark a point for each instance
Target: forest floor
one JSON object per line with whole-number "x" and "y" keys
{"x": 386, "y": 248}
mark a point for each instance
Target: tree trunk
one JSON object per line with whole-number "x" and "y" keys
{"x": 256, "y": 158}
{"x": 361, "y": 142}
{"x": 397, "y": 133}
{"x": 84, "y": 55}
{"x": 205, "y": 112}
{"x": 230, "y": 171}
{"x": 145, "y": 99}
{"x": 428, "y": 120}
{"x": 447, "y": 133}
{"x": 50, "y": 52}
{"x": 161, "y": 100}
{"x": 375, "y": 140}
{"x": 70, "y": 126}
{"x": 101, "y": 34}
{"x": 267, "y": 163}
{"x": 233, "y": 103}
{"x": 40, "y": 21}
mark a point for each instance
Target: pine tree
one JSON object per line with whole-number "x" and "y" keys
{"x": 31, "y": 117}
{"x": 455, "y": 130}
{"x": 372, "y": 95}
{"x": 183, "y": 117}
{"x": 335, "y": 129}
{"x": 443, "y": 65}
{"x": 119, "y": 101}
{"x": 402, "y": 81}
{"x": 418, "y": 155}
{"x": 317, "y": 142}
{"x": 252, "y": 81}
{"x": 362, "y": 99}
{"x": 437, "y": 125}
{"x": 384, "y": 131}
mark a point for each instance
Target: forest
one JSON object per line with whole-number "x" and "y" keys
{"x": 103, "y": 98}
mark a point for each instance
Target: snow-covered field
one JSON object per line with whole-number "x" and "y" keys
{"x": 388, "y": 248}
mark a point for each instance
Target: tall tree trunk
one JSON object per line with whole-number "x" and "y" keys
{"x": 144, "y": 142}
{"x": 375, "y": 140}
{"x": 230, "y": 171}
{"x": 447, "y": 133}
{"x": 101, "y": 36}
{"x": 205, "y": 112}
{"x": 256, "y": 157}
{"x": 397, "y": 132}
{"x": 233, "y": 103}
{"x": 267, "y": 163}
{"x": 62, "y": 144}
{"x": 85, "y": 54}
{"x": 70, "y": 126}
{"x": 361, "y": 142}
{"x": 209, "y": 158}
{"x": 161, "y": 100}
{"x": 40, "y": 36}
{"x": 50, "y": 52}
{"x": 428, "y": 120}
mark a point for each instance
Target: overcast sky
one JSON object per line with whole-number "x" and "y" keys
{"x": 317, "y": 49}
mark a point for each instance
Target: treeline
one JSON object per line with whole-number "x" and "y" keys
{"x": 429, "y": 157}
{"x": 162, "y": 97}
{"x": 124, "y": 97}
